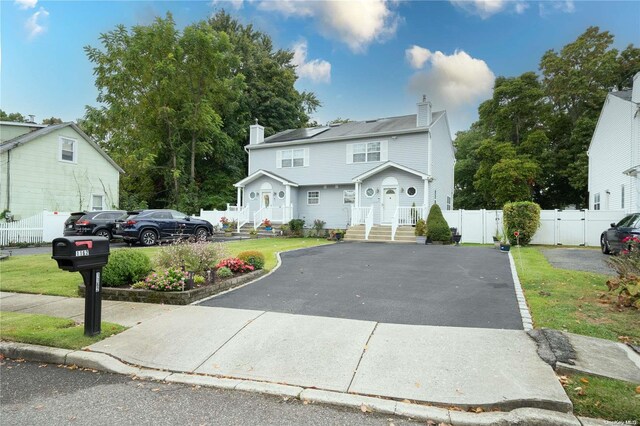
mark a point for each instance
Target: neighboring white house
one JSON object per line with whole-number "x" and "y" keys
{"x": 55, "y": 168}
{"x": 351, "y": 173}
{"x": 614, "y": 153}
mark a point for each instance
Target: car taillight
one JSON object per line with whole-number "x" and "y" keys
{"x": 82, "y": 222}
{"x": 131, "y": 222}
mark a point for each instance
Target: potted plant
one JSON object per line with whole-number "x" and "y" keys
{"x": 337, "y": 234}
{"x": 421, "y": 231}
{"x": 253, "y": 233}
{"x": 505, "y": 245}
{"x": 225, "y": 222}
{"x": 267, "y": 224}
{"x": 496, "y": 240}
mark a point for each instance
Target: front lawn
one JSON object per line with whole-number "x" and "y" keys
{"x": 570, "y": 300}
{"x": 49, "y": 331}
{"x": 39, "y": 274}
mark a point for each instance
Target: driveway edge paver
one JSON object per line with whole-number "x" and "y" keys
{"x": 105, "y": 362}
{"x": 527, "y": 321}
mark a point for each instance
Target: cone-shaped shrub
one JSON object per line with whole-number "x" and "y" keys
{"x": 437, "y": 226}
{"x": 522, "y": 217}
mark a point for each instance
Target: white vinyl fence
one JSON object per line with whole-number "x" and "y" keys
{"x": 40, "y": 228}
{"x": 557, "y": 227}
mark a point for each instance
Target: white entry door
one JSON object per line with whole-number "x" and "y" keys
{"x": 389, "y": 204}
{"x": 265, "y": 199}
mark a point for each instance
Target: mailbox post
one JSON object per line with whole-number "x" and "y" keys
{"x": 86, "y": 255}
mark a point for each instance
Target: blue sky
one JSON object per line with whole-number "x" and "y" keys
{"x": 363, "y": 59}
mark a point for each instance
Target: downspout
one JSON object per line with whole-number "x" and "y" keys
{"x": 8, "y": 179}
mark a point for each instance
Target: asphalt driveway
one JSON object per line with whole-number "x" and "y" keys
{"x": 391, "y": 283}
{"x": 578, "y": 259}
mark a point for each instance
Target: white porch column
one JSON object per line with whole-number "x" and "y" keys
{"x": 239, "y": 199}
{"x": 287, "y": 203}
{"x": 358, "y": 194}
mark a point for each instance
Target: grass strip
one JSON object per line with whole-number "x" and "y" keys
{"x": 50, "y": 331}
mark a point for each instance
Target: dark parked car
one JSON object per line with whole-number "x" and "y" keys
{"x": 148, "y": 227}
{"x": 611, "y": 239}
{"x": 99, "y": 223}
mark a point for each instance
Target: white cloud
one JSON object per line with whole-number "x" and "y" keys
{"x": 488, "y": 8}
{"x": 26, "y": 4}
{"x": 453, "y": 81}
{"x": 562, "y": 6}
{"x": 356, "y": 23}
{"x": 235, "y": 4}
{"x": 316, "y": 70}
{"x": 417, "y": 56}
{"x": 34, "y": 24}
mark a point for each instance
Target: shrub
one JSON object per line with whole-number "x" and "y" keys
{"x": 421, "y": 228}
{"x": 199, "y": 280}
{"x": 126, "y": 266}
{"x": 296, "y": 226}
{"x": 172, "y": 279}
{"x": 224, "y": 272}
{"x": 627, "y": 265}
{"x": 318, "y": 226}
{"x": 522, "y": 217}
{"x": 437, "y": 226}
{"x": 252, "y": 257}
{"x": 139, "y": 284}
{"x": 197, "y": 257}
{"x": 235, "y": 265}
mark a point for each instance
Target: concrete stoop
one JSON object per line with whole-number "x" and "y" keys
{"x": 418, "y": 411}
{"x": 378, "y": 233}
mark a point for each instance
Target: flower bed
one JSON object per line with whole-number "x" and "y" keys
{"x": 174, "y": 297}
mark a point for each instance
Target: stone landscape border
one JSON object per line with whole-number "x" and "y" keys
{"x": 174, "y": 297}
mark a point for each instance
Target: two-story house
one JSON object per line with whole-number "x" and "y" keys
{"x": 384, "y": 172}
{"x": 55, "y": 168}
{"x": 614, "y": 153}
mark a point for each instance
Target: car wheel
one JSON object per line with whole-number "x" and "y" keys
{"x": 104, "y": 233}
{"x": 148, "y": 237}
{"x": 201, "y": 234}
{"x": 604, "y": 245}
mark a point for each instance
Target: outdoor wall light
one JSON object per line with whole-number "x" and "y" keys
{"x": 402, "y": 190}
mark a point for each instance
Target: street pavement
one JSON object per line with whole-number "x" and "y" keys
{"x": 400, "y": 284}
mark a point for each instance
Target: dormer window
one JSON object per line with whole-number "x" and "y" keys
{"x": 68, "y": 150}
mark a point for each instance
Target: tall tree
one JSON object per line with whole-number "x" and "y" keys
{"x": 12, "y": 116}
{"x": 52, "y": 120}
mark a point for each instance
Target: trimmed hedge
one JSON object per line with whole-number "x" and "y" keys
{"x": 126, "y": 266}
{"x": 252, "y": 257}
{"x": 523, "y": 217}
{"x": 437, "y": 226}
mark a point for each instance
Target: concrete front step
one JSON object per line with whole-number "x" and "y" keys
{"x": 379, "y": 233}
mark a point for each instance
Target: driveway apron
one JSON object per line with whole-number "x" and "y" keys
{"x": 391, "y": 283}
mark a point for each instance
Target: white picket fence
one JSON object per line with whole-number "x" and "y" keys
{"x": 557, "y": 227}
{"x": 40, "y": 228}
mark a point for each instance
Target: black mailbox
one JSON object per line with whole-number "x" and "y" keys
{"x": 75, "y": 254}
{"x": 86, "y": 255}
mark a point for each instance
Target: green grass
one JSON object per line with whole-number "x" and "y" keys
{"x": 49, "y": 331}
{"x": 39, "y": 274}
{"x": 603, "y": 398}
{"x": 573, "y": 301}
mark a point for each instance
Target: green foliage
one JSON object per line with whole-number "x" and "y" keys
{"x": 12, "y": 116}
{"x": 437, "y": 226}
{"x": 296, "y": 226}
{"x": 627, "y": 266}
{"x": 172, "y": 279}
{"x": 603, "y": 398}
{"x": 522, "y": 217}
{"x": 224, "y": 272}
{"x": 318, "y": 226}
{"x": 199, "y": 280}
{"x": 126, "y": 266}
{"x": 252, "y": 257}
{"x": 421, "y": 228}
{"x": 197, "y": 257}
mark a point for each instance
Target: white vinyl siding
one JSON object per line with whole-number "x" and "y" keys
{"x": 367, "y": 152}
{"x": 313, "y": 198}
{"x": 68, "y": 148}
{"x": 622, "y": 196}
{"x": 288, "y": 158}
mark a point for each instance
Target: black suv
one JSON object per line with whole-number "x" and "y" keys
{"x": 611, "y": 239}
{"x": 99, "y": 223}
{"x": 151, "y": 226}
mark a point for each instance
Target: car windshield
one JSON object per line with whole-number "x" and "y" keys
{"x": 627, "y": 221}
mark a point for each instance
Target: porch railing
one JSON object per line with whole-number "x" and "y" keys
{"x": 359, "y": 215}
{"x": 281, "y": 214}
{"x": 243, "y": 217}
{"x": 408, "y": 216}
{"x": 368, "y": 223}
{"x": 394, "y": 223}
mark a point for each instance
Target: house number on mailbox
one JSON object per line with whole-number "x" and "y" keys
{"x": 82, "y": 253}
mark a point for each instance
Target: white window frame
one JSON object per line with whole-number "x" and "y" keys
{"x": 366, "y": 148}
{"x": 309, "y": 198}
{"x": 415, "y": 192}
{"x": 93, "y": 206}
{"x": 352, "y": 196}
{"x": 74, "y": 142}
{"x": 299, "y": 155}
{"x": 281, "y": 194}
{"x": 596, "y": 201}
{"x": 448, "y": 202}
{"x": 252, "y": 195}
{"x": 373, "y": 193}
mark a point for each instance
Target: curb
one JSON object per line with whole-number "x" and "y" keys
{"x": 527, "y": 321}
{"x": 104, "y": 362}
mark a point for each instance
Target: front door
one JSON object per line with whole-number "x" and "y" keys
{"x": 389, "y": 204}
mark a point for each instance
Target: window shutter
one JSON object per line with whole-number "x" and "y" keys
{"x": 349, "y": 154}
{"x": 278, "y": 159}
{"x": 306, "y": 157}
{"x": 384, "y": 151}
